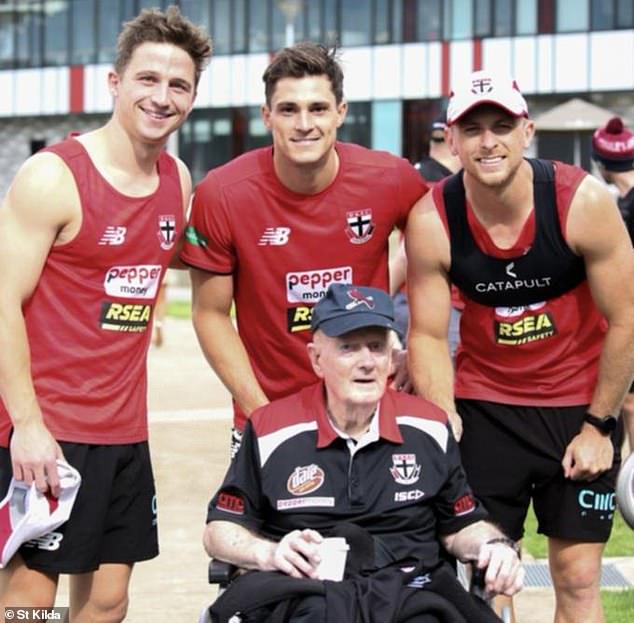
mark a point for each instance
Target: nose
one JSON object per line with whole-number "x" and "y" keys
{"x": 366, "y": 358}
{"x": 160, "y": 94}
{"x": 304, "y": 121}
{"x": 489, "y": 139}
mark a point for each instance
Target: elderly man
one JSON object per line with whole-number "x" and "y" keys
{"x": 349, "y": 450}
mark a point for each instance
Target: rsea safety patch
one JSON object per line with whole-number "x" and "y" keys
{"x": 130, "y": 318}
{"x": 298, "y": 318}
{"x": 529, "y": 328}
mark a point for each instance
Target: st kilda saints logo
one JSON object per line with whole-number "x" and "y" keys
{"x": 360, "y": 226}
{"x": 167, "y": 231}
{"x": 405, "y": 470}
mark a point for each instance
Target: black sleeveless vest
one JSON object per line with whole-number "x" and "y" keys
{"x": 547, "y": 270}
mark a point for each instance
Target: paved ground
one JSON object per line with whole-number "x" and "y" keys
{"x": 189, "y": 428}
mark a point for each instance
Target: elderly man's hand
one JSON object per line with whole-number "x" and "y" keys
{"x": 401, "y": 381}
{"x": 296, "y": 554}
{"x": 504, "y": 572}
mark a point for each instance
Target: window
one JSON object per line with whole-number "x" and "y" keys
{"x": 357, "y": 128}
{"x": 28, "y": 33}
{"x": 6, "y": 35}
{"x": 56, "y": 17}
{"x": 503, "y": 18}
{"x": 482, "y": 18}
{"x": 239, "y": 41}
{"x": 428, "y": 20}
{"x": 258, "y": 26}
{"x": 221, "y": 26}
{"x": 331, "y": 23}
{"x": 315, "y": 19}
{"x": 288, "y": 23}
{"x": 355, "y": 23}
{"x": 572, "y": 15}
{"x": 458, "y": 19}
{"x": 526, "y": 17}
{"x": 82, "y": 32}
{"x": 382, "y": 20}
{"x": 601, "y": 14}
{"x": 197, "y": 12}
{"x": 108, "y": 28}
{"x": 624, "y": 13}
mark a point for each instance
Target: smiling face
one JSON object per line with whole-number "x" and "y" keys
{"x": 303, "y": 118}
{"x": 354, "y": 367}
{"x": 155, "y": 92}
{"x": 490, "y": 144}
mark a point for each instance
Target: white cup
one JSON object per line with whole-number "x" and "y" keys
{"x": 333, "y": 552}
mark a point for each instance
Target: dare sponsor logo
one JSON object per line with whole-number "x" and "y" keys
{"x": 528, "y": 328}
{"x": 230, "y": 503}
{"x": 463, "y": 505}
{"x": 298, "y": 318}
{"x": 130, "y": 318}
{"x": 306, "y": 479}
{"x": 133, "y": 282}
{"x": 311, "y": 285}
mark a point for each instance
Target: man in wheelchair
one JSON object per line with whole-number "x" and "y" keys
{"x": 351, "y": 457}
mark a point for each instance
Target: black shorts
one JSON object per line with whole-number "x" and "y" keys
{"x": 114, "y": 516}
{"x": 513, "y": 454}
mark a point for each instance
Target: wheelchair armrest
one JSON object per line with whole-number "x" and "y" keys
{"x": 220, "y": 572}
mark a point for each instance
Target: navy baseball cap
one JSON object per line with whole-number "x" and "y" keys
{"x": 348, "y": 307}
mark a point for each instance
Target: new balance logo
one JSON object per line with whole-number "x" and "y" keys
{"x": 113, "y": 235}
{"x": 275, "y": 236}
{"x": 49, "y": 542}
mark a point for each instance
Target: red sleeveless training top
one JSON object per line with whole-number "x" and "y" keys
{"x": 88, "y": 320}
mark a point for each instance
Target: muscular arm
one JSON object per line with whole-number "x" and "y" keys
{"x": 40, "y": 210}
{"x": 398, "y": 269}
{"x": 429, "y": 296}
{"x": 296, "y": 554}
{"x": 212, "y": 297}
{"x": 596, "y": 231}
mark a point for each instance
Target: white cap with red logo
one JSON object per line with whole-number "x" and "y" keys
{"x": 483, "y": 87}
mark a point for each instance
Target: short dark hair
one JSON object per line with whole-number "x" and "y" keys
{"x": 304, "y": 59}
{"x": 152, "y": 25}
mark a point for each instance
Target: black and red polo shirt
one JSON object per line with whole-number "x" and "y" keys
{"x": 403, "y": 481}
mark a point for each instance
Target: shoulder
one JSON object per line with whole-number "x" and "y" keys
{"x": 236, "y": 171}
{"x": 374, "y": 158}
{"x": 295, "y": 410}
{"x": 183, "y": 174}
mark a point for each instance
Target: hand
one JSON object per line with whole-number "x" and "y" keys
{"x": 401, "y": 381}
{"x": 588, "y": 455}
{"x": 455, "y": 421}
{"x": 296, "y": 554}
{"x": 504, "y": 572}
{"x": 34, "y": 453}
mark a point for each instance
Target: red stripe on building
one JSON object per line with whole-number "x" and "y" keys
{"x": 445, "y": 62}
{"x": 76, "y": 103}
{"x": 477, "y": 54}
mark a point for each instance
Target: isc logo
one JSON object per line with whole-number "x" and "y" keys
{"x": 408, "y": 496}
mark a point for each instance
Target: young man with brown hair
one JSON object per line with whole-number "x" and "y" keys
{"x": 546, "y": 270}
{"x": 80, "y": 279}
{"x": 274, "y": 227}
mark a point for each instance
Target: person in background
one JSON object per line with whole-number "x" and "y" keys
{"x": 87, "y": 231}
{"x": 276, "y": 226}
{"x": 545, "y": 267}
{"x": 613, "y": 151}
{"x": 439, "y": 163}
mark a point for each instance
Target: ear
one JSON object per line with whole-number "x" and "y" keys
{"x": 113, "y": 83}
{"x": 449, "y": 140}
{"x": 529, "y": 132}
{"x": 313, "y": 355}
{"x": 265, "y": 111}
{"x": 342, "y": 111}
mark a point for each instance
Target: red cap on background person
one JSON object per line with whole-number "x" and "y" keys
{"x": 483, "y": 87}
{"x": 613, "y": 146}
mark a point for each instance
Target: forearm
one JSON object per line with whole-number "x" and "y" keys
{"x": 235, "y": 544}
{"x": 226, "y": 354}
{"x": 466, "y": 544}
{"x": 431, "y": 369}
{"x": 616, "y": 369}
{"x": 16, "y": 385}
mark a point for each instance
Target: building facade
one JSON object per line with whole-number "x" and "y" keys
{"x": 400, "y": 59}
